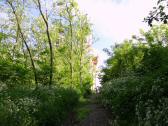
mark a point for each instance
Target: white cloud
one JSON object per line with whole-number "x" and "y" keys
{"x": 117, "y": 20}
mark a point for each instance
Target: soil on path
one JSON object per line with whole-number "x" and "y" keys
{"x": 98, "y": 116}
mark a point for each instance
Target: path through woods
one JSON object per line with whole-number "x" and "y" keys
{"x": 98, "y": 115}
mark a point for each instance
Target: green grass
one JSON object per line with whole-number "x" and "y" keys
{"x": 82, "y": 111}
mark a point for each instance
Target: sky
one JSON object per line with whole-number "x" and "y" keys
{"x": 115, "y": 20}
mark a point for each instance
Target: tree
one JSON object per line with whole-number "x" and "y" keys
{"x": 56, "y": 35}
{"x": 49, "y": 40}
{"x": 24, "y": 40}
{"x": 135, "y": 79}
{"x": 158, "y": 14}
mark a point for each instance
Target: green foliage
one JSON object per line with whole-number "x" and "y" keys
{"x": 27, "y": 96}
{"x": 2, "y": 36}
{"x": 82, "y": 113}
{"x": 120, "y": 96}
{"x": 158, "y": 14}
{"x": 14, "y": 74}
{"x": 17, "y": 107}
{"x": 54, "y": 105}
{"x": 23, "y": 107}
{"x": 135, "y": 80}
{"x": 82, "y": 110}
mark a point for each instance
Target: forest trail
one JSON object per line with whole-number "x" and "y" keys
{"x": 98, "y": 115}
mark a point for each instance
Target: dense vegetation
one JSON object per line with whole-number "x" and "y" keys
{"x": 45, "y": 67}
{"x": 135, "y": 80}
{"x": 44, "y": 61}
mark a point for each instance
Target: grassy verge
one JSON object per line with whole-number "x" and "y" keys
{"x": 82, "y": 111}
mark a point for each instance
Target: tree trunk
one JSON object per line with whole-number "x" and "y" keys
{"x": 80, "y": 72}
{"x": 71, "y": 45}
{"x": 24, "y": 40}
{"x": 49, "y": 42}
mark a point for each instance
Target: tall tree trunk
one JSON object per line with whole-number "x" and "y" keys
{"x": 24, "y": 40}
{"x": 80, "y": 72}
{"x": 81, "y": 55}
{"x": 49, "y": 42}
{"x": 71, "y": 45}
{"x": 71, "y": 60}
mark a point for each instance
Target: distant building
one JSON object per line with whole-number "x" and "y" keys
{"x": 94, "y": 63}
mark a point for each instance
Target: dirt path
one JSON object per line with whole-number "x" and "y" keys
{"x": 98, "y": 115}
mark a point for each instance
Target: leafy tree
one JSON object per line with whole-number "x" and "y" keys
{"x": 49, "y": 40}
{"x": 23, "y": 39}
{"x": 135, "y": 79}
{"x": 46, "y": 43}
{"x": 158, "y": 13}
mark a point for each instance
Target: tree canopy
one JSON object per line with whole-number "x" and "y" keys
{"x": 45, "y": 61}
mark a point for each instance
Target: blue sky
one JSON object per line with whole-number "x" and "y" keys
{"x": 115, "y": 20}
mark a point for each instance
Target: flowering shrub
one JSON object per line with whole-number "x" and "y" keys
{"x": 43, "y": 107}
{"x": 136, "y": 101}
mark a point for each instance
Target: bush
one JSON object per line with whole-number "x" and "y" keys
{"x": 54, "y": 105}
{"x": 135, "y": 80}
{"x": 43, "y": 107}
{"x": 119, "y": 95}
{"x": 16, "y": 109}
{"x": 137, "y": 100}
